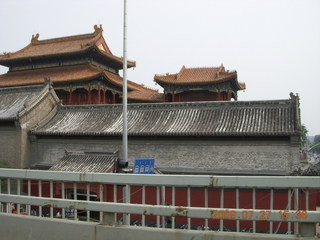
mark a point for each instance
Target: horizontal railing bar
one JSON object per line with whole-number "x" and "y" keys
{"x": 172, "y": 211}
{"x": 167, "y": 180}
{"x": 53, "y": 229}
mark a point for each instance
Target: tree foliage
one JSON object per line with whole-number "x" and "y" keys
{"x": 4, "y": 164}
{"x": 316, "y": 139}
{"x": 315, "y": 148}
{"x": 304, "y": 135}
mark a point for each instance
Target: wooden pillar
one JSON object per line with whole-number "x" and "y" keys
{"x": 70, "y": 96}
{"x": 219, "y": 95}
{"x": 99, "y": 95}
{"x": 173, "y": 97}
{"x": 89, "y": 96}
{"x": 113, "y": 98}
{"x": 165, "y": 97}
{"x": 104, "y": 96}
{"x": 229, "y": 95}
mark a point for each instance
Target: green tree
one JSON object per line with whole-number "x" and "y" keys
{"x": 304, "y": 136}
{"x": 315, "y": 148}
{"x": 316, "y": 139}
{"x": 4, "y": 164}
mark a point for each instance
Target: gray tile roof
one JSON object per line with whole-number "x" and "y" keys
{"x": 15, "y": 99}
{"x": 85, "y": 163}
{"x": 251, "y": 118}
{"x": 307, "y": 169}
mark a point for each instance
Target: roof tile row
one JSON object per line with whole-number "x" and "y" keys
{"x": 268, "y": 118}
{"x": 14, "y": 100}
{"x": 85, "y": 163}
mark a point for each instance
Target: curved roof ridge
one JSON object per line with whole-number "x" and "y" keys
{"x": 220, "y": 69}
{"x": 35, "y": 40}
{"x": 179, "y": 74}
{"x": 97, "y": 33}
{"x": 184, "y": 105}
{"x": 242, "y": 85}
{"x": 165, "y": 76}
{"x": 205, "y": 67}
{"x": 130, "y": 63}
{"x": 9, "y": 54}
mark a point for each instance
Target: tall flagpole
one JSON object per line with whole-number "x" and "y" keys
{"x": 124, "y": 87}
{"x": 126, "y": 189}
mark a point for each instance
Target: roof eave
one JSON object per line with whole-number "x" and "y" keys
{"x": 8, "y": 119}
{"x": 117, "y": 60}
{"x": 145, "y": 99}
{"x": 10, "y": 62}
{"x": 227, "y": 78}
{"x": 167, "y": 134}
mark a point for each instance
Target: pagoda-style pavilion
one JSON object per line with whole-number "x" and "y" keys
{"x": 200, "y": 84}
{"x": 82, "y": 69}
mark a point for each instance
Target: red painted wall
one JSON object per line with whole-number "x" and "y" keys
{"x": 197, "y": 200}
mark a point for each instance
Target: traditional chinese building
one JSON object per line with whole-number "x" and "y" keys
{"x": 229, "y": 137}
{"x": 200, "y": 84}
{"x": 82, "y": 69}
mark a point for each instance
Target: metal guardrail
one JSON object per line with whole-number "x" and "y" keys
{"x": 256, "y": 204}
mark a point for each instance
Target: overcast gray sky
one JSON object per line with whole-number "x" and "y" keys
{"x": 274, "y": 44}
